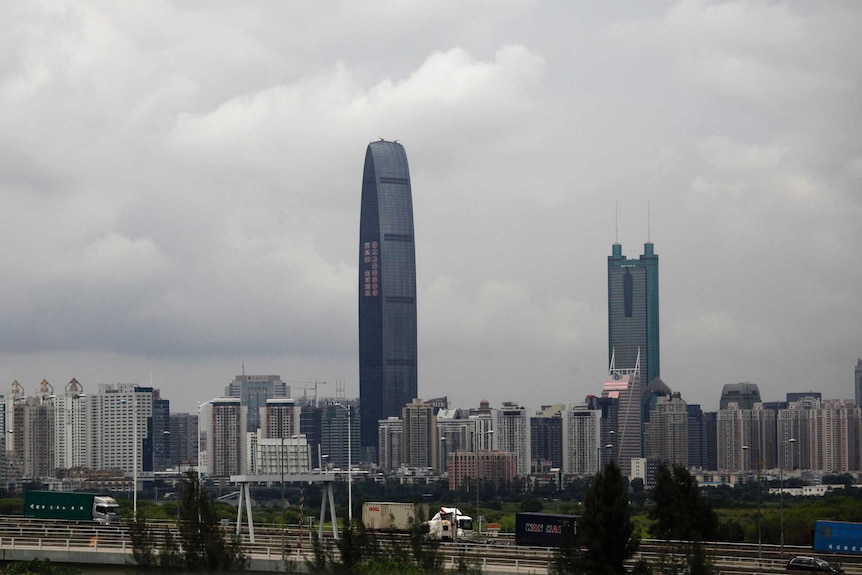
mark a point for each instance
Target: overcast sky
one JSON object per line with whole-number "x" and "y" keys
{"x": 180, "y": 190}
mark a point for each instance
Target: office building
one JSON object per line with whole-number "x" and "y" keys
{"x": 546, "y": 439}
{"x": 183, "y": 440}
{"x": 310, "y": 426}
{"x": 335, "y": 438}
{"x": 387, "y": 290}
{"x": 625, "y": 439}
{"x": 253, "y": 391}
{"x": 742, "y": 395}
{"x": 161, "y": 431}
{"x": 633, "y": 314}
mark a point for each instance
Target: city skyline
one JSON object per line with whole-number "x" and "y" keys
{"x": 179, "y": 190}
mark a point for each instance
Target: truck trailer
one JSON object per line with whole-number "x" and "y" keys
{"x": 387, "y": 516}
{"x": 72, "y": 506}
{"x": 837, "y": 537}
{"x": 544, "y": 529}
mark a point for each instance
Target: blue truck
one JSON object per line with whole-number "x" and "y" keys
{"x": 544, "y": 529}
{"x": 838, "y": 537}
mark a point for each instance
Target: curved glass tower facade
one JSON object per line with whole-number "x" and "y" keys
{"x": 387, "y": 290}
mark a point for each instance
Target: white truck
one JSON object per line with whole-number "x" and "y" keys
{"x": 449, "y": 524}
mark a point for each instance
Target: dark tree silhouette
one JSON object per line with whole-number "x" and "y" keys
{"x": 608, "y": 533}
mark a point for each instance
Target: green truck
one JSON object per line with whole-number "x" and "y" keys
{"x": 72, "y": 506}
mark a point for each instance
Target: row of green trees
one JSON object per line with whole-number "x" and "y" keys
{"x": 606, "y": 537}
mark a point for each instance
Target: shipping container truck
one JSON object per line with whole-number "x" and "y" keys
{"x": 544, "y": 529}
{"x": 837, "y": 537}
{"x": 386, "y": 516}
{"x": 73, "y": 506}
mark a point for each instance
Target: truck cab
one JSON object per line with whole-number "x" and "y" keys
{"x": 105, "y": 510}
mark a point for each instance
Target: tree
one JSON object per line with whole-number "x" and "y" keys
{"x": 202, "y": 545}
{"x": 681, "y": 513}
{"x": 568, "y": 558}
{"x": 608, "y": 533}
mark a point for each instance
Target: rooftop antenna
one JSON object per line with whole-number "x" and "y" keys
{"x": 648, "y": 234}
{"x": 243, "y": 368}
{"x": 616, "y": 221}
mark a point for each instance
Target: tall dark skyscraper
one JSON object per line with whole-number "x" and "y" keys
{"x": 387, "y": 290}
{"x": 633, "y": 312}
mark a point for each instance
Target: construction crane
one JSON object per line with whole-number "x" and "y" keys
{"x": 305, "y": 386}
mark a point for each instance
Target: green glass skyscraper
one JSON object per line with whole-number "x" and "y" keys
{"x": 633, "y": 312}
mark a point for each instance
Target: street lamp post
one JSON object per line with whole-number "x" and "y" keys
{"x": 349, "y": 465}
{"x": 200, "y": 407}
{"x": 349, "y": 410}
{"x": 790, "y": 442}
{"x": 134, "y": 451}
{"x": 744, "y": 479}
{"x": 478, "y": 522}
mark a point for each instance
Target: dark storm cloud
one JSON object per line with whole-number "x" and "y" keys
{"x": 179, "y": 186}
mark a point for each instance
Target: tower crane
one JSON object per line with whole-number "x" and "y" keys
{"x": 305, "y": 386}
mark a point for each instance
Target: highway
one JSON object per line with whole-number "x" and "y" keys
{"x": 78, "y": 542}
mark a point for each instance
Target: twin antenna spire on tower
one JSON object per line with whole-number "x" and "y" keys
{"x": 617, "y": 222}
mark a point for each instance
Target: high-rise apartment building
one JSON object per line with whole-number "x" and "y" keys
{"x": 581, "y": 439}
{"x": 512, "y": 433}
{"x": 633, "y": 317}
{"x": 279, "y": 418}
{"x": 666, "y": 433}
{"x": 747, "y": 439}
{"x": 419, "y": 438}
{"x": 454, "y": 433}
{"x": 226, "y": 449}
{"x": 387, "y": 290}
{"x": 37, "y": 414}
{"x": 390, "y": 431}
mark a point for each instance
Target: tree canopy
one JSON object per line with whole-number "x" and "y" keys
{"x": 607, "y": 529}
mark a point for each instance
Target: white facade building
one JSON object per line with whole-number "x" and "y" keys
{"x": 512, "y": 433}
{"x": 581, "y": 431}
